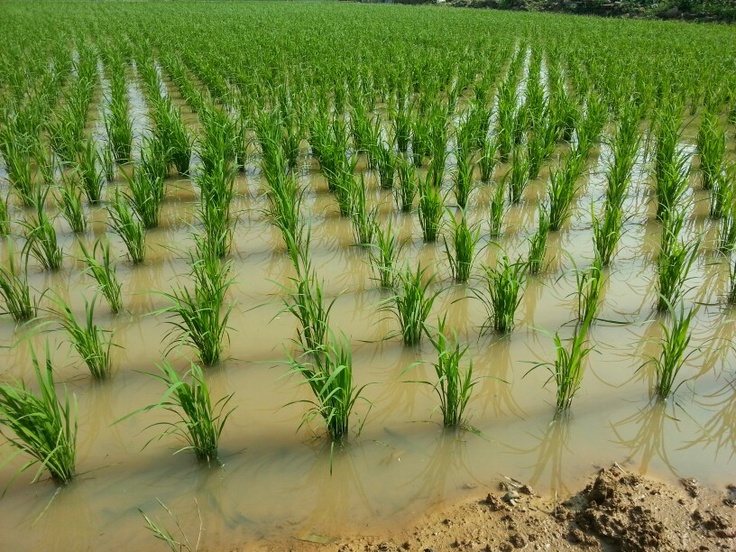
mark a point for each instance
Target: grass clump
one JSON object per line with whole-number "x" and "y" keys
{"x": 502, "y": 294}
{"x": 41, "y": 424}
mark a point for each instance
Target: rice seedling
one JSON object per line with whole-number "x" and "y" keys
{"x": 329, "y": 373}
{"x": 173, "y": 135}
{"x": 454, "y": 385}
{"x": 92, "y": 178}
{"x": 284, "y": 210}
{"x": 538, "y": 242}
{"x": 15, "y": 292}
{"x": 91, "y": 342}
{"x": 104, "y": 273}
{"x": 519, "y": 175}
{"x": 199, "y": 422}
{"x": 363, "y": 218}
{"x": 674, "y": 344}
{"x": 384, "y": 255}
{"x": 126, "y": 224}
{"x": 197, "y": 316}
{"x": 567, "y": 368}
{"x": 4, "y": 218}
{"x": 217, "y": 190}
{"x": 561, "y": 192}
{"x": 40, "y": 236}
{"x": 412, "y": 302}
{"x": 41, "y": 425}
{"x": 461, "y": 255}
{"x": 408, "y": 187}
{"x": 164, "y": 535}
{"x": 711, "y": 147}
{"x": 590, "y": 287}
{"x": 463, "y": 181}
{"x": 675, "y": 260}
{"x": 606, "y": 232}
{"x": 502, "y": 293}
{"x": 71, "y": 205}
{"x": 497, "y": 208}
{"x": 487, "y": 160}
{"x": 306, "y": 302}
{"x": 20, "y": 175}
{"x": 146, "y": 194}
{"x": 107, "y": 158}
{"x": 385, "y": 161}
{"x": 672, "y": 185}
{"x": 722, "y": 193}
{"x": 430, "y": 210}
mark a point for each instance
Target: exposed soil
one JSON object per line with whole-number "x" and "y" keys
{"x": 617, "y": 511}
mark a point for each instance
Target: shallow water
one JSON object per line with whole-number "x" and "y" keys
{"x": 276, "y": 476}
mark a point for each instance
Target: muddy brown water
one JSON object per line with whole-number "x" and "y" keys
{"x": 276, "y": 477}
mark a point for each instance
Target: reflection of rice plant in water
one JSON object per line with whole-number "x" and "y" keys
{"x": 501, "y": 295}
{"x": 41, "y": 425}
{"x": 463, "y": 251}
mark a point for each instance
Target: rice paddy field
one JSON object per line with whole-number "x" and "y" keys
{"x": 308, "y": 268}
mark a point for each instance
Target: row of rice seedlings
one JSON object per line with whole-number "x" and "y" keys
{"x": 501, "y": 293}
{"x": 711, "y": 148}
{"x": 104, "y": 273}
{"x": 217, "y": 190}
{"x": 91, "y": 342}
{"x": 41, "y": 425}
{"x": 41, "y": 240}
{"x": 118, "y": 125}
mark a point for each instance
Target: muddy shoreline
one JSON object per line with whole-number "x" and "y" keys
{"x": 616, "y": 511}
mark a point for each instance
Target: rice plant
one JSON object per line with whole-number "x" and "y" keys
{"x": 42, "y": 425}
{"x": 589, "y": 290}
{"x": 454, "y": 385}
{"x": 92, "y": 178}
{"x": 431, "y": 207}
{"x": 674, "y": 262}
{"x": 91, "y": 342}
{"x": 384, "y": 255}
{"x": 129, "y": 227}
{"x": 306, "y": 301}
{"x": 463, "y": 181}
{"x": 146, "y": 194}
{"x": 104, "y": 273}
{"x": 198, "y": 318}
{"x": 362, "y": 218}
{"x": 567, "y": 369}
{"x": 4, "y": 218}
{"x": 15, "y": 292}
{"x": 502, "y": 294}
{"x": 164, "y": 535}
{"x": 538, "y": 242}
{"x": 711, "y": 146}
{"x": 461, "y": 255}
{"x": 199, "y": 422}
{"x": 672, "y": 184}
{"x": 519, "y": 176}
{"x": 71, "y": 205}
{"x": 408, "y": 187}
{"x": 41, "y": 241}
{"x": 487, "y": 160}
{"x": 412, "y": 302}
{"x": 497, "y": 208}
{"x": 217, "y": 190}
{"x": 329, "y": 373}
{"x": 674, "y": 344}
{"x": 561, "y": 192}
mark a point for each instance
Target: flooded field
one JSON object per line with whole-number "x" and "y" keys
{"x": 279, "y": 474}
